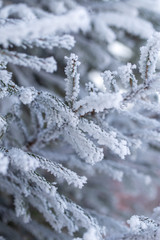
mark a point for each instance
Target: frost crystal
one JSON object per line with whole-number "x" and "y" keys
{"x": 109, "y": 81}
{"x": 3, "y": 126}
{"x": 47, "y": 64}
{"x": 127, "y": 77}
{"x": 27, "y": 95}
{"x": 72, "y": 80}
{"x": 136, "y": 224}
{"x": 22, "y": 160}
{"x": 4, "y": 161}
{"x": 149, "y": 57}
{"x": 98, "y": 102}
{"x": 91, "y": 234}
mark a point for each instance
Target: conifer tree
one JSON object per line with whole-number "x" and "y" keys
{"x": 79, "y": 120}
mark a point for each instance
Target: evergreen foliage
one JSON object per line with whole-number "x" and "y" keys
{"x": 79, "y": 120}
